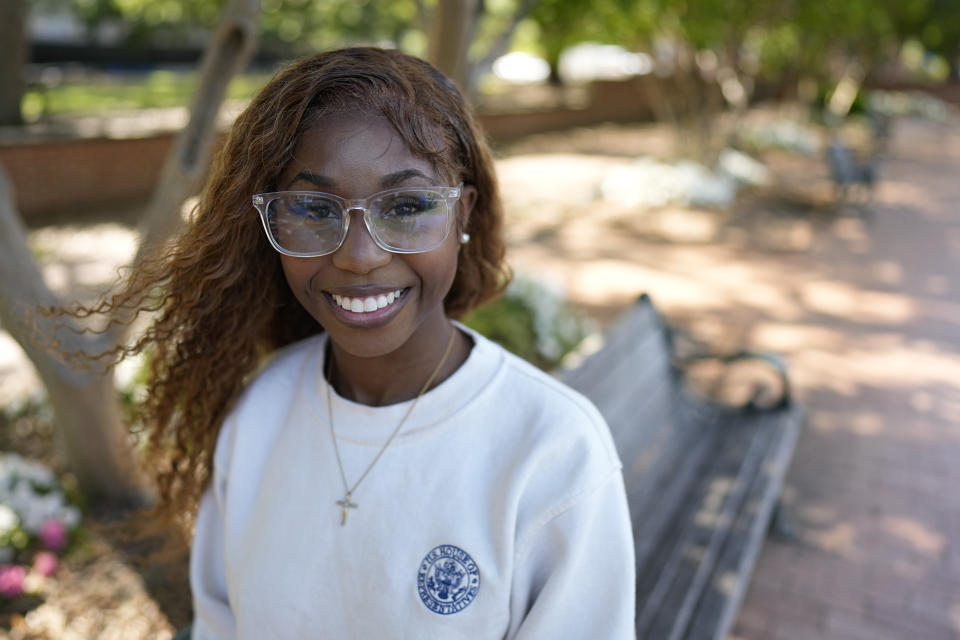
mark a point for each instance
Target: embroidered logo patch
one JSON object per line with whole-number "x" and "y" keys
{"x": 448, "y": 580}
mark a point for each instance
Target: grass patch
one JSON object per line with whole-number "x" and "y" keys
{"x": 157, "y": 89}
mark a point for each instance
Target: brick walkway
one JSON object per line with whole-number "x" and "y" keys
{"x": 868, "y": 313}
{"x": 874, "y": 482}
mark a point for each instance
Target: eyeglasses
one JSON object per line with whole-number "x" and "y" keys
{"x": 307, "y": 224}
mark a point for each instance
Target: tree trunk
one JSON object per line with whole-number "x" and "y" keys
{"x": 187, "y": 164}
{"x": 451, "y": 31}
{"x": 84, "y": 402}
{"x": 13, "y": 36}
{"x": 86, "y": 409}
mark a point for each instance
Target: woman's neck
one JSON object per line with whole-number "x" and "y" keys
{"x": 397, "y": 376}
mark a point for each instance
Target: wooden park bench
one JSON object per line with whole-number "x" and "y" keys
{"x": 703, "y": 477}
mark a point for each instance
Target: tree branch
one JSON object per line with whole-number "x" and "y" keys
{"x": 185, "y": 167}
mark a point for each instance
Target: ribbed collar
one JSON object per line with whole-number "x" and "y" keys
{"x": 366, "y": 425}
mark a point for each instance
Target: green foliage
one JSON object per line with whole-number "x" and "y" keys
{"x": 563, "y": 23}
{"x": 153, "y": 90}
{"x": 300, "y": 26}
{"x": 803, "y": 37}
{"x": 130, "y": 379}
{"x": 292, "y": 26}
{"x": 532, "y": 321}
{"x": 508, "y": 322}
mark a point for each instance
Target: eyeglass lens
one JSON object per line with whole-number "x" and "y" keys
{"x": 414, "y": 220}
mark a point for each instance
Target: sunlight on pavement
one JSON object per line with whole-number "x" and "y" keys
{"x": 904, "y": 194}
{"x": 888, "y": 272}
{"x": 789, "y": 338}
{"x": 79, "y": 262}
{"x": 840, "y": 537}
{"x": 857, "y": 305}
{"x": 856, "y": 366}
{"x": 918, "y": 536}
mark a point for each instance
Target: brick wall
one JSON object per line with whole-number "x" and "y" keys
{"x": 83, "y": 174}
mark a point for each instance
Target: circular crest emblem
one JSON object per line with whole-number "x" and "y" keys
{"x": 448, "y": 580}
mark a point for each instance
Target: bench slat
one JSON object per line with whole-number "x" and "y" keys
{"x": 625, "y": 385}
{"x": 655, "y": 496}
{"x": 719, "y": 604}
{"x": 683, "y": 563}
{"x": 634, "y": 356}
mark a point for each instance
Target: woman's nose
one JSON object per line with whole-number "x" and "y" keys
{"x": 359, "y": 252}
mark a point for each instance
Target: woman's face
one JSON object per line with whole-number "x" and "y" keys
{"x": 354, "y": 156}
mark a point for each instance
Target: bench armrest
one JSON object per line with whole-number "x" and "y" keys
{"x": 743, "y": 381}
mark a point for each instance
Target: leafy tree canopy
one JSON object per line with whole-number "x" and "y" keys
{"x": 293, "y": 26}
{"x": 805, "y": 36}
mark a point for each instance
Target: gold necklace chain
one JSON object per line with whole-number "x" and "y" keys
{"x": 348, "y": 491}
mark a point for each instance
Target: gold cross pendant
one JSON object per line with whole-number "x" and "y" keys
{"x": 347, "y": 505}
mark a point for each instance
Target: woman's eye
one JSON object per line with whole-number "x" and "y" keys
{"x": 408, "y": 206}
{"x": 313, "y": 209}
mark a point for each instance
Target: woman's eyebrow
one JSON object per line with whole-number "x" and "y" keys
{"x": 398, "y": 177}
{"x": 315, "y": 179}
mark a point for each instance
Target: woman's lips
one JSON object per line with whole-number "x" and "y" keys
{"x": 367, "y": 310}
{"x": 367, "y": 304}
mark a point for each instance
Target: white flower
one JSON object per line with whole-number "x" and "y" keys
{"x": 14, "y": 468}
{"x": 8, "y": 520}
{"x": 37, "y": 474}
{"x": 556, "y": 328}
{"x": 30, "y": 495}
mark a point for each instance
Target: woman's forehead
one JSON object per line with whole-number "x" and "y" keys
{"x": 346, "y": 141}
{"x": 356, "y": 152}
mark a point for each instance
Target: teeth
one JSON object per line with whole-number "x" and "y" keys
{"x": 366, "y": 305}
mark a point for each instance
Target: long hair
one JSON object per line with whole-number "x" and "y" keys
{"x": 223, "y": 304}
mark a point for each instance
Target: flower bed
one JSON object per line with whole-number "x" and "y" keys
{"x": 37, "y": 525}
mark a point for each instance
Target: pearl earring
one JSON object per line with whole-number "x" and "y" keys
{"x": 464, "y": 238}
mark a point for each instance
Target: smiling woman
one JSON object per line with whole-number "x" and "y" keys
{"x": 356, "y": 155}
{"x": 343, "y": 440}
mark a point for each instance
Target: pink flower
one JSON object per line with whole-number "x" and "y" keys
{"x": 53, "y": 535}
{"x": 11, "y": 580}
{"x": 45, "y": 563}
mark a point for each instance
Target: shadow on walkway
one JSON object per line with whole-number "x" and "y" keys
{"x": 867, "y": 309}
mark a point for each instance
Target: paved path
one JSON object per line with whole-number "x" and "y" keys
{"x": 875, "y": 482}
{"x": 868, "y": 312}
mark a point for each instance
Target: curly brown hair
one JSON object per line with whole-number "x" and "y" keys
{"x": 223, "y": 304}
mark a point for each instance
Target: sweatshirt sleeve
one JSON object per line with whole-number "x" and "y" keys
{"x": 576, "y": 578}
{"x": 213, "y": 619}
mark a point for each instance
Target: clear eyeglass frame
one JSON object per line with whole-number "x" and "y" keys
{"x": 450, "y": 195}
